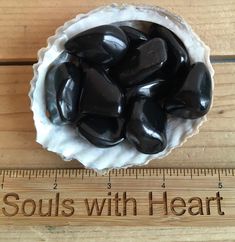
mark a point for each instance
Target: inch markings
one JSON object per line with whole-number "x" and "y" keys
{"x": 159, "y": 196}
{"x": 137, "y": 172}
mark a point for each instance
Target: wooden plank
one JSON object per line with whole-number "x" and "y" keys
{"x": 84, "y": 187}
{"x": 136, "y": 191}
{"x": 25, "y": 25}
{"x": 115, "y": 234}
{"x": 181, "y": 157}
{"x": 213, "y": 146}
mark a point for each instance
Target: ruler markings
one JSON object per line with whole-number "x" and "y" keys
{"x": 56, "y": 175}
{"x": 3, "y": 177}
{"x": 153, "y": 171}
{"x": 187, "y": 171}
{"x": 219, "y": 174}
{"x": 164, "y": 172}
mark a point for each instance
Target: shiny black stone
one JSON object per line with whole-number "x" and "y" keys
{"x": 140, "y": 63}
{"x": 64, "y": 57}
{"x": 102, "y": 131}
{"x": 100, "y": 95}
{"x": 136, "y": 37}
{"x": 145, "y": 128}
{"x": 193, "y": 100}
{"x": 104, "y": 45}
{"x": 156, "y": 88}
{"x": 63, "y": 86}
{"x": 178, "y": 58}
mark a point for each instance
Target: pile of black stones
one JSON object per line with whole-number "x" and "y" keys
{"x": 116, "y": 83}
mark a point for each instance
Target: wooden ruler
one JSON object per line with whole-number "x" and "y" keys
{"x": 151, "y": 196}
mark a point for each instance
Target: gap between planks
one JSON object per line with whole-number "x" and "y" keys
{"x": 220, "y": 59}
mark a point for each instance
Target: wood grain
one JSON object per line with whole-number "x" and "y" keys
{"x": 26, "y": 25}
{"x": 214, "y": 146}
{"x": 144, "y": 197}
{"x": 116, "y": 234}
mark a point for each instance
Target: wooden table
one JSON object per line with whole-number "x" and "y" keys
{"x": 24, "y": 28}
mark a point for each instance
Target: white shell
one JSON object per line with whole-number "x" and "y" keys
{"x": 64, "y": 140}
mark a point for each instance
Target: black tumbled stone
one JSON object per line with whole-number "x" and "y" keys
{"x": 193, "y": 99}
{"x": 136, "y": 37}
{"x": 100, "y": 95}
{"x": 63, "y": 87}
{"x": 102, "y": 131}
{"x": 140, "y": 63}
{"x": 156, "y": 88}
{"x": 104, "y": 45}
{"x": 145, "y": 128}
{"x": 178, "y": 58}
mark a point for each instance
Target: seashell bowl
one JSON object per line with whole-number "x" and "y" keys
{"x": 64, "y": 140}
